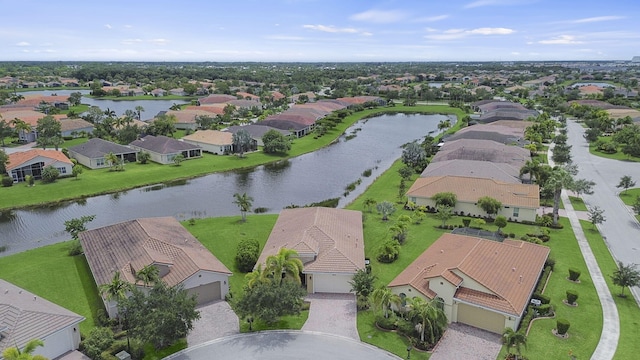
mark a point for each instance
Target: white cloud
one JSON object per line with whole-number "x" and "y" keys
{"x": 515, "y": 53}
{"x": 597, "y": 19}
{"x": 107, "y": 26}
{"x": 561, "y": 40}
{"x": 23, "y": 43}
{"x": 380, "y": 17}
{"x": 330, "y": 29}
{"x": 432, "y": 18}
{"x": 128, "y": 26}
{"x": 481, "y": 3}
{"x": 452, "y": 34}
{"x": 492, "y": 31}
{"x": 131, "y": 41}
{"x": 159, "y": 41}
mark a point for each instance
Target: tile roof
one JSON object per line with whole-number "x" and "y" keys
{"x": 482, "y": 150}
{"x": 474, "y": 169}
{"x": 162, "y": 144}
{"x": 216, "y": 99}
{"x": 213, "y": 137}
{"x": 25, "y": 316}
{"x": 255, "y": 130}
{"x": 210, "y": 109}
{"x": 131, "y": 245}
{"x": 96, "y": 147}
{"x": 16, "y": 159}
{"x": 334, "y": 236}
{"x": 499, "y": 133}
{"x": 188, "y": 116}
{"x": 468, "y": 189}
{"x": 74, "y": 124}
{"x": 509, "y": 270}
{"x": 29, "y": 116}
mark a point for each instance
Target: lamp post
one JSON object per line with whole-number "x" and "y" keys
{"x": 409, "y": 352}
{"x": 250, "y": 321}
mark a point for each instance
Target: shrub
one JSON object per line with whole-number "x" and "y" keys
{"x": 545, "y": 310}
{"x": 478, "y": 223}
{"x": 562, "y": 326}
{"x": 406, "y": 328}
{"x": 75, "y": 248}
{"x": 572, "y": 296}
{"x": 99, "y": 340}
{"x": 551, "y": 262}
{"x": 367, "y": 173}
{"x": 574, "y": 274}
{"x": 389, "y": 251}
{"x": 49, "y": 174}
{"x": 544, "y": 299}
{"x": 29, "y": 180}
{"x": 386, "y": 323}
{"x": 512, "y": 235}
{"x": 7, "y": 181}
{"x": 247, "y": 254}
{"x": 260, "y": 210}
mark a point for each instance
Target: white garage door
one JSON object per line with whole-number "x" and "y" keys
{"x": 481, "y": 318}
{"x": 332, "y": 283}
{"x": 207, "y": 292}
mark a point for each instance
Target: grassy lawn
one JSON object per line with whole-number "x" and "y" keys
{"x": 627, "y": 306}
{"x": 578, "y": 204}
{"x": 616, "y": 156}
{"x": 629, "y": 196}
{"x": 101, "y": 181}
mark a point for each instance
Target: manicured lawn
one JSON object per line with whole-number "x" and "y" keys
{"x": 387, "y": 340}
{"x": 629, "y": 196}
{"x": 616, "y": 156}
{"x": 578, "y": 204}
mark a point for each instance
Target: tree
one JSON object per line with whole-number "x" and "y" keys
{"x": 500, "y": 222}
{"x": 244, "y": 202}
{"x": 596, "y": 216}
{"x": 48, "y": 129}
{"x": 247, "y": 254}
{"x": 163, "y": 125}
{"x": 444, "y": 213}
{"x": 4, "y": 160}
{"x": 139, "y": 109}
{"x": 149, "y": 274}
{"x": 179, "y": 158}
{"x": 430, "y": 315}
{"x": 582, "y": 186}
{"x": 258, "y": 275}
{"x": 275, "y": 142}
{"x": 636, "y": 206}
{"x": 115, "y": 290}
{"x": 490, "y": 205}
{"x": 531, "y": 167}
{"x": 406, "y": 172}
{"x": 144, "y": 157}
{"x": 77, "y": 225}
{"x": 382, "y": 298}
{"x": 445, "y": 198}
{"x": 561, "y": 154}
{"x": 513, "y": 339}
{"x": 388, "y": 251}
{"x": 75, "y": 98}
{"x": 400, "y": 228}
{"x": 626, "y": 275}
{"x": 626, "y": 182}
{"x": 22, "y": 127}
{"x": 160, "y": 316}
{"x": 369, "y": 203}
{"x": 284, "y": 265}
{"x": 268, "y": 302}
{"x": 414, "y": 156}
{"x": 76, "y": 170}
{"x": 385, "y": 209}
{"x": 49, "y": 174}
{"x": 242, "y": 141}
{"x": 362, "y": 284}
{"x": 5, "y": 130}
{"x": 559, "y": 179}
{"x": 13, "y": 353}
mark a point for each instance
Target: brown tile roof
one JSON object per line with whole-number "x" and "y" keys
{"x": 213, "y": 137}
{"x": 25, "y": 316}
{"x": 475, "y": 169}
{"x": 163, "y": 144}
{"x": 188, "y": 116}
{"x": 334, "y": 236}
{"x": 216, "y": 99}
{"x": 468, "y": 189}
{"x": 210, "y": 109}
{"x": 482, "y": 150}
{"x": 509, "y": 270}
{"x": 74, "y": 124}
{"x": 29, "y": 116}
{"x": 18, "y": 158}
{"x": 132, "y": 245}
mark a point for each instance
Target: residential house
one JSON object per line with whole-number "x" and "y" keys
{"x": 75, "y": 127}
{"x": 92, "y": 154}
{"x": 186, "y": 119}
{"x": 483, "y": 283}
{"x": 212, "y": 141}
{"x": 129, "y": 246}
{"x": 256, "y": 131}
{"x": 329, "y": 243}
{"x": 503, "y": 134}
{"x": 25, "y": 316}
{"x": 474, "y": 169}
{"x": 158, "y": 92}
{"x": 520, "y": 202}
{"x": 216, "y": 99}
{"x": 482, "y": 150}
{"x": 164, "y": 149}
{"x": 32, "y": 162}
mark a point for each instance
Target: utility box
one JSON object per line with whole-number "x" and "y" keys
{"x": 123, "y": 355}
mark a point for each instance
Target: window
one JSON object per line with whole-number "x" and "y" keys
{"x": 62, "y": 170}
{"x": 100, "y": 162}
{"x": 516, "y": 212}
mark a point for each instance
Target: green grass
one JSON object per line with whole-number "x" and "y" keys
{"x": 387, "y": 340}
{"x": 293, "y": 322}
{"x": 616, "y": 156}
{"x": 150, "y": 353}
{"x": 627, "y": 307}
{"x": 629, "y": 196}
{"x": 578, "y": 204}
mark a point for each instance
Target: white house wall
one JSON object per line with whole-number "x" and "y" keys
{"x": 210, "y": 148}
{"x": 60, "y": 342}
{"x": 525, "y": 214}
{"x": 203, "y": 277}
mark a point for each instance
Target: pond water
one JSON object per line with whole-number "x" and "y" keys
{"x": 309, "y": 178}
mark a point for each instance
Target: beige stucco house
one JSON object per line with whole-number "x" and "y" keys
{"x": 211, "y": 141}
{"x": 519, "y": 201}
{"x": 483, "y": 283}
{"x": 328, "y": 241}
{"x": 162, "y": 242}
{"x": 32, "y": 162}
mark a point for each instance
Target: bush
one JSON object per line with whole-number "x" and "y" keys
{"x": 545, "y": 310}
{"x": 388, "y": 252}
{"x": 406, "y": 328}
{"x": 7, "y": 181}
{"x": 551, "y": 262}
{"x": 386, "y": 323}
{"x": 562, "y": 326}
{"x": 75, "y": 248}
{"x": 544, "y": 299}
{"x": 512, "y": 235}
{"x": 99, "y": 340}
{"x": 49, "y": 174}
{"x": 466, "y": 222}
{"x": 572, "y": 296}
{"x": 247, "y": 254}
{"x": 30, "y": 180}
{"x": 574, "y": 274}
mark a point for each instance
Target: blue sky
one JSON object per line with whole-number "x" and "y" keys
{"x": 320, "y": 30}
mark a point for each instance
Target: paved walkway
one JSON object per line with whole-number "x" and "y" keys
{"x": 332, "y": 314}
{"x": 608, "y": 343}
{"x": 217, "y": 320}
{"x": 466, "y": 342}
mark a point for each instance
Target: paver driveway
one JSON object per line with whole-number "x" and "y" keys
{"x": 466, "y": 342}
{"x": 332, "y": 314}
{"x": 217, "y": 320}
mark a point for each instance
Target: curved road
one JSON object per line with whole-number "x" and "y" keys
{"x": 621, "y": 231}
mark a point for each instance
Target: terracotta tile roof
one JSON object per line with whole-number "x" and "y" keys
{"x": 163, "y": 144}
{"x": 188, "y": 116}
{"x": 247, "y": 104}
{"x": 96, "y": 147}
{"x": 245, "y": 95}
{"x": 29, "y": 116}
{"x": 334, "y": 236}
{"x": 74, "y": 124}
{"x": 210, "y": 109}
{"x": 213, "y": 137}
{"x": 216, "y": 99}
{"x": 25, "y": 316}
{"x": 255, "y": 130}
{"x": 508, "y": 271}
{"x": 17, "y": 159}
{"x": 131, "y": 245}
{"x": 468, "y": 189}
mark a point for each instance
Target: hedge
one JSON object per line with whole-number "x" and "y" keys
{"x": 572, "y": 296}
{"x": 574, "y": 274}
{"x": 562, "y": 326}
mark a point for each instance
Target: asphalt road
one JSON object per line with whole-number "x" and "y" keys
{"x": 283, "y": 345}
{"x": 620, "y": 230}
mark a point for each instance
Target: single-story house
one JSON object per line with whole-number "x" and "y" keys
{"x": 503, "y": 134}
{"x": 92, "y": 153}
{"x": 162, "y": 242}
{"x": 474, "y": 169}
{"x": 482, "y": 150}
{"x": 32, "y": 162}
{"x": 216, "y": 99}
{"x": 256, "y": 131}
{"x": 186, "y": 119}
{"x": 212, "y": 141}
{"x": 520, "y": 202}
{"x": 75, "y": 127}
{"x": 164, "y": 149}
{"x": 483, "y": 283}
{"x": 329, "y": 243}
{"x": 25, "y": 316}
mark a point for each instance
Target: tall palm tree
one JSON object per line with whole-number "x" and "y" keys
{"x": 382, "y": 298}
{"x": 116, "y": 289}
{"x": 139, "y": 110}
{"x": 110, "y": 113}
{"x": 22, "y": 127}
{"x": 149, "y": 274}
{"x": 258, "y": 275}
{"x": 284, "y": 265}
{"x": 13, "y": 353}
{"x": 430, "y": 315}
{"x": 559, "y": 179}
{"x": 244, "y": 202}
{"x": 513, "y": 339}
{"x": 531, "y": 167}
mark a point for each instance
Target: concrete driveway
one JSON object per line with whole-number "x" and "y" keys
{"x": 217, "y": 320}
{"x": 465, "y": 342}
{"x": 332, "y": 314}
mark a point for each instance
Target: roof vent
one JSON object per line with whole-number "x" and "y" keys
{"x": 441, "y": 251}
{"x": 513, "y": 269}
{"x": 520, "y": 280}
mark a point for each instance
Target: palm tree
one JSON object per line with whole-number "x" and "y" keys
{"x": 559, "y": 179}
{"x": 175, "y": 107}
{"x": 116, "y": 289}
{"x": 21, "y": 127}
{"x": 110, "y": 113}
{"x": 150, "y": 274}
{"x": 139, "y": 110}
{"x": 244, "y": 202}
{"x": 13, "y": 353}
{"x": 112, "y": 159}
{"x": 258, "y": 275}
{"x": 531, "y": 167}
{"x": 382, "y": 298}
{"x": 430, "y": 315}
{"x": 285, "y": 264}
{"x": 369, "y": 203}
{"x": 515, "y": 339}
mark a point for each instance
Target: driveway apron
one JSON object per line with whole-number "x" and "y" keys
{"x": 332, "y": 314}
{"x": 217, "y": 320}
{"x": 466, "y": 342}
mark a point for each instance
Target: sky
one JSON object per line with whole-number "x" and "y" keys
{"x": 319, "y": 30}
